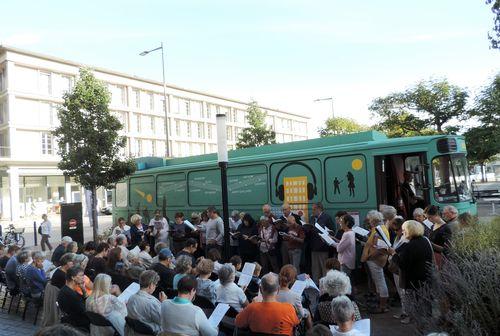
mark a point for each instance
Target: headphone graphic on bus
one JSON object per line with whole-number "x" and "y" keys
{"x": 311, "y": 188}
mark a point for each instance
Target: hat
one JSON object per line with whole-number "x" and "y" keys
{"x": 165, "y": 253}
{"x": 67, "y": 239}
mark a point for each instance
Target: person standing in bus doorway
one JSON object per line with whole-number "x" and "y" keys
{"x": 319, "y": 249}
{"x": 45, "y": 231}
{"x": 214, "y": 230}
{"x": 160, "y": 228}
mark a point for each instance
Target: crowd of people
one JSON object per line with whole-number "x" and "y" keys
{"x": 181, "y": 275}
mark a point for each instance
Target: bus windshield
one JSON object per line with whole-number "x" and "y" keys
{"x": 451, "y": 178}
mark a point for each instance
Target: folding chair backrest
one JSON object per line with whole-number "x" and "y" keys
{"x": 139, "y": 326}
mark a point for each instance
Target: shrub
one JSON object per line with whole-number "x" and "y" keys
{"x": 465, "y": 294}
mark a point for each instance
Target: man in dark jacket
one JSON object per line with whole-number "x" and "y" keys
{"x": 319, "y": 249}
{"x": 164, "y": 270}
{"x": 60, "y": 250}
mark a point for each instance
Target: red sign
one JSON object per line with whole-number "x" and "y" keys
{"x": 72, "y": 224}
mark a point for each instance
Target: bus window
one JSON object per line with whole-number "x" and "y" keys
{"x": 451, "y": 178}
{"x": 121, "y": 195}
{"x": 172, "y": 189}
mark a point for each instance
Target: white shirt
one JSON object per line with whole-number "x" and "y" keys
{"x": 46, "y": 227}
{"x": 232, "y": 295}
{"x": 160, "y": 230}
{"x": 118, "y": 230}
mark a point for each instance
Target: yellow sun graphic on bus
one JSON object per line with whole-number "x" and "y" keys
{"x": 149, "y": 198}
{"x": 357, "y": 164}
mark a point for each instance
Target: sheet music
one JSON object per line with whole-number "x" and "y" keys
{"x": 129, "y": 291}
{"x": 382, "y": 235}
{"x": 244, "y": 280}
{"x": 320, "y": 228}
{"x": 310, "y": 283}
{"x": 189, "y": 225}
{"x": 361, "y": 328}
{"x": 302, "y": 222}
{"x": 381, "y": 244}
{"x": 328, "y": 240}
{"x": 298, "y": 287}
{"x": 248, "y": 268}
{"x": 360, "y": 231}
{"x": 218, "y": 314}
{"x": 428, "y": 223}
{"x": 47, "y": 265}
{"x": 135, "y": 250}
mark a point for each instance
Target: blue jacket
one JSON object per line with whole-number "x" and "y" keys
{"x": 36, "y": 279}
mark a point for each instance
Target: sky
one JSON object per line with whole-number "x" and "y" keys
{"x": 282, "y": 53}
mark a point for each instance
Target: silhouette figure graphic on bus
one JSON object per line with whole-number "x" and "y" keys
{"x": 350, "y": 185}
{"x": 336, "y": 186}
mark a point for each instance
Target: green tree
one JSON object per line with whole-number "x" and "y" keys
{"x": 482, "y": 145}
{"x": 258, "y": 134}
{"x": 88, "y": 141}
{"x": 339, "y": 125}
{"x": 424, "y": 109}
{"x": 494, "y": 36}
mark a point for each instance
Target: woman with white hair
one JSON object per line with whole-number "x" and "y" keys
{"x": 415, "y": 259}
{"x": 137, "y": 230}
{"x": 335, "y": 284}
{"x": 343, "y": 313}
{"x": 81, "y": 261}
{"x": 104, "y": 302}
{"x": 182, "y": 268}
{"x": 376, "y": 258}
{"x": 229, "y": 292}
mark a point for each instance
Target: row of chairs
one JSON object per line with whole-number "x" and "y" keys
{"x": 17, "y": 295}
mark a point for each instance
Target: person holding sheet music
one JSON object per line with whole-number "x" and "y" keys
{"x": 180, "y": 317}
{"x": 295, "y": 240}
{"x": 281, "y": 226}
{"x": 344, "y": 315}
{"x": 415, "y": 261}
{"x": 234, "y": 223}
{"x": 440, "y": 235}
{"x": 247, "y": 234}
{"x": 268, "y": 237}
{"x": 319, "y": 248}
{"x": 180, "y": 233}
{"x": 229, "y": 292}
{"x": 159, "y": 227}
{"x": 137, "y": 231}
{"x": 376, "y": 258}
{"x": 143, "y": 306}
{"x": 287, "y": 277}
{"x": 346, "y": 247}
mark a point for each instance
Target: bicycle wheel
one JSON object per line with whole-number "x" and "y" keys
{"x": 20, "y": 242}
{"x": 9, "y": 239}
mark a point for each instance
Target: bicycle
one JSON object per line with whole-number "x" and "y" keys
{"x": 13, "y": 237}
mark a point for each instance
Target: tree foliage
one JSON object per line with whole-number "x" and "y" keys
{"x": 339, "y": 125}
{"x": 424, "y": 109}
{"x": 89, "y": 143}
{"x": 258, "y": 134}
{"x": 494, "y": 35}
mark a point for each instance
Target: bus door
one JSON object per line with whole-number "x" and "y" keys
{"x": 401, "y": 181}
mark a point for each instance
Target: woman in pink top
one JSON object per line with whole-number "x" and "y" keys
{"x": 347, "y": 245}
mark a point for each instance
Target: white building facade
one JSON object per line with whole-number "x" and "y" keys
{"x": 31, "y": 89}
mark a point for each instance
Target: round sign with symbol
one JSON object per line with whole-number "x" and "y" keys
{"x": 72, "y": 224}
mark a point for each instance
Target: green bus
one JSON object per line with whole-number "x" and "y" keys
{"x": 354, "y": 172}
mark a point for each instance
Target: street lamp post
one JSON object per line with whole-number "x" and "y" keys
{"x": 144, "y": 53}
{"x": 323, "y": 99}
{"x": 222, "y": 159}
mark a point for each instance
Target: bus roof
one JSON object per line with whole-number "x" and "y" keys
{"x": 340, "y": 142}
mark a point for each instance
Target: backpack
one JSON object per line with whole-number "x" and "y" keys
{"x": 40, "y": 229}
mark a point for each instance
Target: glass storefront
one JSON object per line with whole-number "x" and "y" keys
{"x": 41, "y": 194}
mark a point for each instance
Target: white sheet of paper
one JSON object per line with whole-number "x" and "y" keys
{"x": 244, "y": 280}
{"x": 47, "y": 265}
{"x": 381, "y": 244}
{"x": 360, "y": 231}
{"x": 382, "y": 235}
{"x": 248, "y": 268}
{"x": 328, "y": 240}
{"x": 428, "y": 223}
{"x": 135, "y": 250}
{"x": 355, "y": 215}
{"x": 218, "y": 314}
{"x": 133, "y": 288}
{"x": 361, "y": 327}
{"x": 189, "y": 225}
{"x": 310, "y": 283}
{"x": 302, "y": 222}
{"x": 298, "y": 287}
{"x": 320, "y": 228}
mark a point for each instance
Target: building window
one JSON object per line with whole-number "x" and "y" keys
{"x": 137, "y": 96}
{"x": 187, "y": 107}
{"x": 138, "y": 147}
{"x": 2, "y": 81}
{"x": 47, "y": 144}
{"x": 2, "y": 112}
{"x": 45, "y": 83}
{"x": 66, "y": 84}
{"x": 164, "y": 105}
{"x": 201, "y": 133}
{"x": 229, "y": 131}
{"x": 151, "y": 101}
{"x": 177, "y": 128}
{"x": 209, "y": 131}
{"x": 152, "y": 123}
{"x": 54, "y": 121}
{"x": 122, "y": 91}
{"x": 188, "y": 129}
{"x": 138, "y": 122}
